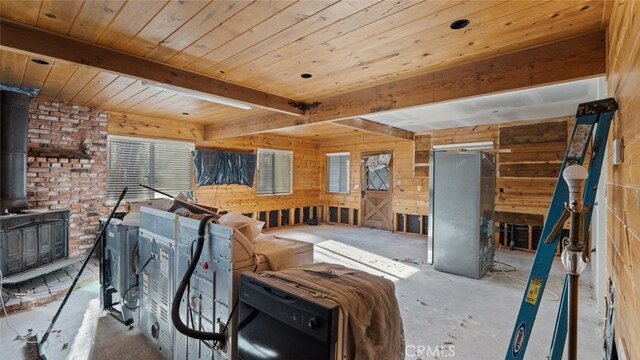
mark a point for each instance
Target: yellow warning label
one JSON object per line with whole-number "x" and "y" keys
{"x": 534, "y": 291}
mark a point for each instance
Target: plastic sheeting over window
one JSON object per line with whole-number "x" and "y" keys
{"x": 216, "y": 167}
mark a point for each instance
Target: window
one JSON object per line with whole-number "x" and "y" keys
{"x": 275, "y": 172}
{"x": 338, "y": 172}
{"x": 161, "y": 164}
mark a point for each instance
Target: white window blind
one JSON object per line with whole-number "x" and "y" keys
{"x": 275, "y": 172}
{"x": 164, "y": 165}
{"x": 338, "y": 172}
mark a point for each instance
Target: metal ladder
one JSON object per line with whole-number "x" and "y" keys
{"x": 593, "y": 120}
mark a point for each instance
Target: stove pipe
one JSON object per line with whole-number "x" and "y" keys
{"x": 14, "y": 129}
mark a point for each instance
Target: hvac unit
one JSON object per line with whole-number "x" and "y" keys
{"x": 461, "y": 212}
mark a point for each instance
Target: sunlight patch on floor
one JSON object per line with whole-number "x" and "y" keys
{"x": 338, "y": 253}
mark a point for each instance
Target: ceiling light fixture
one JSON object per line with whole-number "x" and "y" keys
{"x": 199, "y": 95}
{"x": 40, "y": 61}
{"x": 306, "y": 75}
{"x": 459, "y": 24}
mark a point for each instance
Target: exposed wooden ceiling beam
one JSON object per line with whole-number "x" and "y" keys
{"x": 376, "y": 128}
{"x": 35, "y": 41}
{"x": 571, "y": 59}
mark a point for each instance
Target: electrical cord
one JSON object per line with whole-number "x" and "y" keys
{"x": 175, "y": 307}
{"x": 124, "y": 296}
{"x": 6, "y": 316}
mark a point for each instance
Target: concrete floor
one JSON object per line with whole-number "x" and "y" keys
{"x": 474, "y": 318}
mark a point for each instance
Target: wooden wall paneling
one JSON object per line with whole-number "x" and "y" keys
{"x": 422, "y": 147}
{"x": 306, "y": 179}
{"x": 623, "y": 181}
{"x": 133, "y": 125}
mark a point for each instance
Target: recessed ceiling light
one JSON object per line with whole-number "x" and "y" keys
{"x": 50, "y": 15}
{"x": 459, "y": 24}
{"x": 40, "y": 61}
{"x": 306, "y": 75}
{"x": 185, "y": 113}
{"x": 495, "y": 111}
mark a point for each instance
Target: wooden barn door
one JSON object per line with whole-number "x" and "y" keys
{"x": 377, "y": 199}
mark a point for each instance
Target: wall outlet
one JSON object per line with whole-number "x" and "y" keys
{"x": 419, "y": 188}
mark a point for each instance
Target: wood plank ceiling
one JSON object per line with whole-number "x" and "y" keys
{"x": 346, "y": 45}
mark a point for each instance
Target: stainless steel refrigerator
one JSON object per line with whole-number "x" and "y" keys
{"x": 461, "y": 212}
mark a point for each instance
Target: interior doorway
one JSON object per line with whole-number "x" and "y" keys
{"x": 377, "y": 191}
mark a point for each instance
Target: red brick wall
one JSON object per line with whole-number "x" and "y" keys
{"x": 60, "y": 175}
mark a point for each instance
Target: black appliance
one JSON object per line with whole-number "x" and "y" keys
{"x": 279, "y": 321}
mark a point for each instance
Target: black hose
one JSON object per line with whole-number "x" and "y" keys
{"x": 175, "y": 307}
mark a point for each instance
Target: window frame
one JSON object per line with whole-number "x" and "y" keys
{"x": 348, "y": 180}
{"x": 152, "y": 162}
{"x": 274, "y": 151}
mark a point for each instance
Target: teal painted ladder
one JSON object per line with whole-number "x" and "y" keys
{"x": 593, "y": 120}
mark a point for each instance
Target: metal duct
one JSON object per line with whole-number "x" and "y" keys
{"x": 14, "y": 128}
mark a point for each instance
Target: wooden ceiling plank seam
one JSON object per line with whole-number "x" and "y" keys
{"x": 184, "y": 41}
{"x": 398, "y": 50}
{"x": 32, "y": 40}
{"x": 118, "y": 37}
{"x": 165, "y": 23}
{"x": 58, "y": 16}
{"x": 50, "y": 90}
{"x": 136, "y": 99}
{"x": 115, "y": 87}
{"x": 99, "y": 82}
{"x": 276, "y": 55}
{"x": 147, "y": 105}
{"x": 162, "y": 105}
{"x": 235, "y": 26}
{"x": 561, "y": 61}
{"x": 268, "y": 38}
{"x": 77, "y": 82}
{"x": 132, "y": 90}
{"x": 519, "y": 34}
{"x": 93, "y": 18}
{"x": 23, "y": 11}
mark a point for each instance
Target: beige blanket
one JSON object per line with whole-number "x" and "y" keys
{"x": 374, "y": 322}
